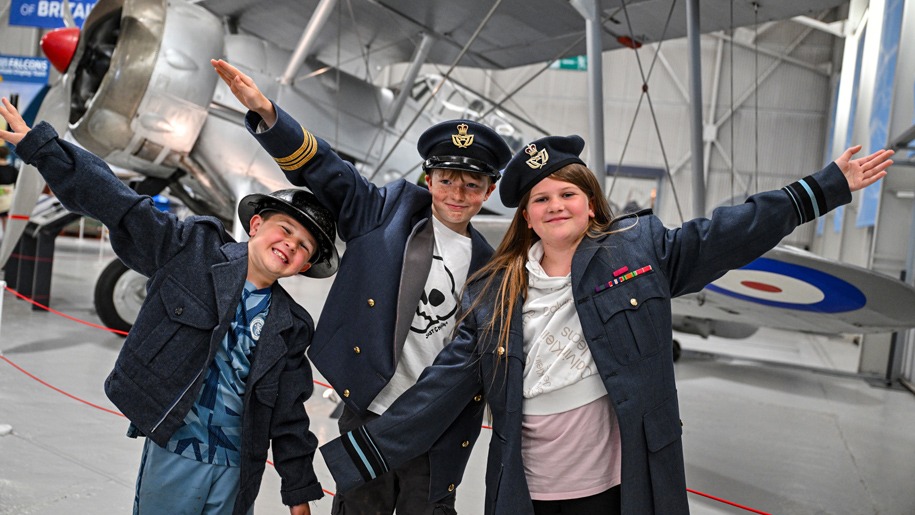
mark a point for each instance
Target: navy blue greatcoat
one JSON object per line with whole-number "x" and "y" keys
{"x": 354, "y": 345}
{"x": 628, "y": 330}
{"x": 196, "y": 275}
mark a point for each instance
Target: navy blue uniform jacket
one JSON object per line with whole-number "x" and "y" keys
{"x": 196, "y": 274}
{"x": 628, "y": 330}
{"x": 354, "y": 346}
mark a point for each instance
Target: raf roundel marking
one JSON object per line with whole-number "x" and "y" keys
{"x": 784, "y": 285}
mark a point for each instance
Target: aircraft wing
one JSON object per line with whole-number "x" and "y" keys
{"x": 519, "y": 32}
{"x": 788, "y": 288}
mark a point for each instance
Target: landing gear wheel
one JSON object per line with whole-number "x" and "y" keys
{"x": 677, "y": 351}
{"x": 119, "y": 293}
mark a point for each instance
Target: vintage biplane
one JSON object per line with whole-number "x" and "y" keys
{"x": 136, "y": 88}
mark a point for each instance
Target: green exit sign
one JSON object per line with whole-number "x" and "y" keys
{"x": 578, "y": 63}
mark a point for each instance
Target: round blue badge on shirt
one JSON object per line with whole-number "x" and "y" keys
{"x": 256, "y": 325}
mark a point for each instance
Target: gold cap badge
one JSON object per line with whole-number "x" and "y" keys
{"x": 538, "y": 159}
{"x": 462, "y": 139}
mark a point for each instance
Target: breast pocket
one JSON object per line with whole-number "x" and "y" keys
{"x": 630, "y": 312}
{"x": 179, "y": 325}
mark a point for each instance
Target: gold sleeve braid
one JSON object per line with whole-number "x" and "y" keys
{"x": 302, "y": 155}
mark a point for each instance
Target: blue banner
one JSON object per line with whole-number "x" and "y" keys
{"x": 882, "y": 103}
{"x": 14, "y": 68}
{"x": 48, "y": 13}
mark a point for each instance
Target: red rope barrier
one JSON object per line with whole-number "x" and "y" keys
{"x": 725, "y": 501}
{"x": 58, "y": 390}
{"x": 46, "y": 308}
{"x": 17, "y": 367}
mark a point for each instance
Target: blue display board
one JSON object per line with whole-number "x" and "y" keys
{"x": 47, "y": 13}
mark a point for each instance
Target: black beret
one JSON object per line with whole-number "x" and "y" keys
{"x": 463, "y": 145}
{"x": 537, "y": 161}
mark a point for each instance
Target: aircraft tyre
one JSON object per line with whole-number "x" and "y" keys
{"x": 119, "y": 293}
{"x": 677, "y": 351}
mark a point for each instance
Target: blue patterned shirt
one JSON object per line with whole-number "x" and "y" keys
{"x": 212, "y": 429}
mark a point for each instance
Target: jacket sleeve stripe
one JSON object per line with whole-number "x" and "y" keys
{"x": 808, "y": 198}
{"x": 374, "y": 448}
{"x": 816, "y": 211}
{"x": 796, "y": 203}
{"x": 364, "y": 454}
{"x": 822, "y": 206}
{"x": 302, "y": 155}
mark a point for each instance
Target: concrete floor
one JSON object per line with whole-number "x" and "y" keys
{"x": 778, "y": 440}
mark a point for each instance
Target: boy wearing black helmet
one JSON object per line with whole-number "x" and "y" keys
{"x": 393, "y": 305}
{"x": 187, "y": 375}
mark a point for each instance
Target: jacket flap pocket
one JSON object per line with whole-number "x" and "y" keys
{"x": 662, "y": 425}
{"x": 627, "y": 296}
{"x": 182, "y": 307}
{"x": 267, "y": 394}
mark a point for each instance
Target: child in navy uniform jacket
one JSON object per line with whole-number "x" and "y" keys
{"x": 568, "y": 331}
{"x": 213, "y": 371}
{"x": 393, "y": 305}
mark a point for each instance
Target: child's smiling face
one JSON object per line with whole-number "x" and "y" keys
{"x": 279, "y": 246}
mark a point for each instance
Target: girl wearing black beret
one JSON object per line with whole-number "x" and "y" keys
{"x": 568, "y": 332}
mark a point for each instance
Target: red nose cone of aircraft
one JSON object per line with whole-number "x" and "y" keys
{"x": 60, "y": 45}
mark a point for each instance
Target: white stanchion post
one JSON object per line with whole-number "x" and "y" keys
{"x": 2, "y": 291}
{"x": 5, "y": 429}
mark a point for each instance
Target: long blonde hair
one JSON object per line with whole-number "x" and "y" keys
{"x": 510, "y": 257}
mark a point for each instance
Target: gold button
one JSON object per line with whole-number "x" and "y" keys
{"x": 346, "y": 392}
{"x": 357, "y": 350}
{"x": 501, "y": 350}
{"x": 478, "y": 398}
{"x": 371, "y": 303}
{"x": 465, "y": 444}
{"x": 634, "y": 302}
{"x": 451, "y": 487}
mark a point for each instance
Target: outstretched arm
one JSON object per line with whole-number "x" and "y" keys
{"x": 17, "y": 125}
{"x": 245, "y": 90}
{"x": 862, "y": 172}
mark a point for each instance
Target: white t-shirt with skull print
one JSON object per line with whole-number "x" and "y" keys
{"x": 435, "y": 314}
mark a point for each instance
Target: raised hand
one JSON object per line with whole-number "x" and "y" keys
{"x": 862, "y": 172}
{"x": 17, "y": 125}
{"x": 245, "y": 90}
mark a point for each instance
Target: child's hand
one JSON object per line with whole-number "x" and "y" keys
{"x": 862, "y": 172}
{"x": 245, "y": 90}
{"x": 18, "y": 128}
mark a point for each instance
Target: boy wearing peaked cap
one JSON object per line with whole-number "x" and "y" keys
{"x": 188, "y": 377}
{"x": 392, "y": 307}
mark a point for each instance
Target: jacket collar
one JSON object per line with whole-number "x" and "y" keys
{"x": 583, "y": 256}
{"x": 480, "y": 250}
{"x": 228, "y": 280}
{"x": 271, "y": 347}
{"x": 589, "y": 251}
